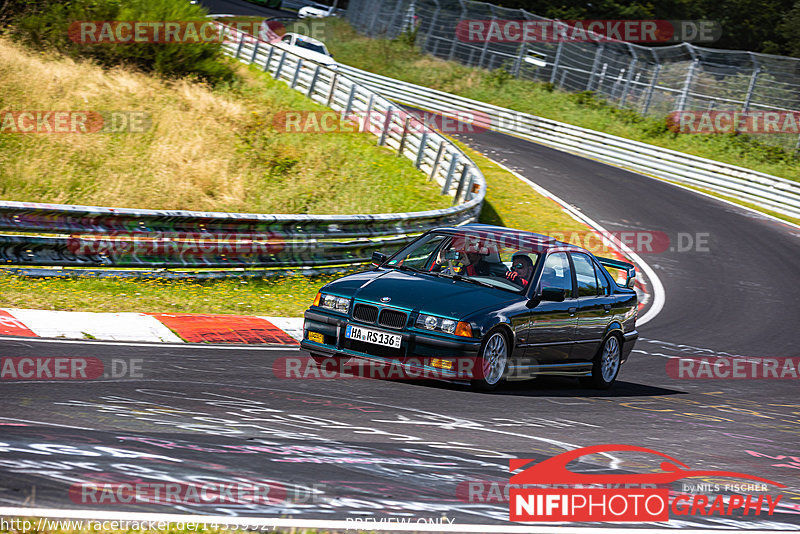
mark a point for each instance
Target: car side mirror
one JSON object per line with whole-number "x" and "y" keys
{"x": 378, "y": 259}
{"x": 630, "y": 282}
{"x": 553, "y": 294}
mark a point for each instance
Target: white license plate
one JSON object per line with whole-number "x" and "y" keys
{"x": 375, "y": 337}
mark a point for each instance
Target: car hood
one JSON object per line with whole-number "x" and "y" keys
{"x": 420, "y": 292}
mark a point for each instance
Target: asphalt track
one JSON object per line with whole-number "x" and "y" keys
{"x": 356, "y": 448}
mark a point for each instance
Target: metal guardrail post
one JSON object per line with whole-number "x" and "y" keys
{"x": 296, "y": 75}
{"x": 332, "y": 89}
{"x": 386, "y": 123}
{"x": 753, "y": 80}
{"x": 631, "y": 68}
{"x": 461, "y": 184}
{"x": 687, "y": 84}
{"x": 436, "y": 161}
{"x": 455, "y": 40}
{"x": 651, "y": 89}
{"x": 313, "y": 82}
{"x": 421, "y": 152}
{"x": 239, "y": 48}
{"x": 367, "y": 118}
{"x": 403, "y": 137}
{"x": 596, "y": 63}
{"x": 255, "y": 51}
{"x": 349, "y": 106}
{"x": 269, "y": 58}
{"x": 557, "y": 59}
{"x": 432, "y": 24}
{"x": 486, "y": 41}
{"x": 277, "y": 74}
{"x": 450, "y": 170}
{"x": 469, "y": 193}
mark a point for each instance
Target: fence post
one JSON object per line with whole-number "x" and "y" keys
{"x": 392, "y": 20}
{"x": 684, "y": 96}
{"x": 403, "y": 137}
{"x": 486, "y": 41}
{"x": 367, "y": 119}
{"x": 386, "y": 124}
{"x": 239, "y": 48}
{"x": 461, "y": 183}
{"x": 753, "y": 80}
{"x": 650, "y": 90}
{"x": 433, "y": 23}
{"x": 296, "y": 73}
{"x": 350, "y": 97}
{"x": 255, "y": 51}
{"x": 313, "y": 82}
{"x": 437, "y": 160}
{"x": 455, "y": 39}
{"x": 523, "y": 49}
{"x": 595, "y": 64}
{"x": 421, "y": 152}
{"x": 377, "y": 12}
{"x": 332, "y": 89}
{"x": 277, "y": 74}
{"x": 631, "y": 68}
{"x": 449, "y": 179}
{"x": 269, "y": 58}
{"x": 557, "y": 59}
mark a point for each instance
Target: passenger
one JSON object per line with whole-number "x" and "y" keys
{"x": 521, "y": 270}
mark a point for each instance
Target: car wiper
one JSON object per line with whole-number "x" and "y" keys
{"x": 406, "y": 268}
{"x": 468, "y": 279}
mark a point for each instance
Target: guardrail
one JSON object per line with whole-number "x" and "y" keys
{"x": 770, "y": 192}
{"x": 89, "y": 236}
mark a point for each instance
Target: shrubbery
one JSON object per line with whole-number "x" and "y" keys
{"x": 46, "y": 25}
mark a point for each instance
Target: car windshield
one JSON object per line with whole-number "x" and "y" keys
{"x": 501, "y": 260}
{"x": 314, "y": 47}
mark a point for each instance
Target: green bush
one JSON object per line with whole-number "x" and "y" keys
{"x": 49, "y": 25}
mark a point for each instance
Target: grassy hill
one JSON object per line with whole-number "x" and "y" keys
{"x": 207, "y": 148}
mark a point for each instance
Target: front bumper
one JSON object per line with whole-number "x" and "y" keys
{"x": 416, "y": 350}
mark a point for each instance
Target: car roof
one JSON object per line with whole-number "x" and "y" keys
{"x": 305, "y": 38}
{"x": 545, "y": 242}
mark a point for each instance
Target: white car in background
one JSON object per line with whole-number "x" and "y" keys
{"x": 307, "y": 48}
{"x": 316, "y": 11}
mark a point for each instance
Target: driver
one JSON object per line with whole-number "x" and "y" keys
{"x": 521, "y": 270}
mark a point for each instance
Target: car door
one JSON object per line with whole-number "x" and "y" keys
{"x": 594, "y": 308}
{"x": 552, "y": 324}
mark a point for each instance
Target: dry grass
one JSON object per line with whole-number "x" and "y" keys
{"x": 212, "y": 150}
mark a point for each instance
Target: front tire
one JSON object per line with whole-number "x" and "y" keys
{"x": 606, "y": 364}
{"x": 491, "y": 362}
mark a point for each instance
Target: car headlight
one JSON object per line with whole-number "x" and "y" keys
{"x": 440, "y": 324}
{"x": 332, "y": 302}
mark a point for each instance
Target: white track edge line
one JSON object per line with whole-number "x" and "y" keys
{"x": 658, "y": 292}
{"x": 337, "y": 524}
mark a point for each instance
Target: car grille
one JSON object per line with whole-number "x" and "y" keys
{"x": 392, "y": 318}
{"x": 365, "y": 313}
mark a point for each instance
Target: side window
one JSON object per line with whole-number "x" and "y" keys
{"x": 287, "y": 39}
{"x": 602, "y": 281}
{"x": 557, "y": 273}
{"x": 584, "y": 274}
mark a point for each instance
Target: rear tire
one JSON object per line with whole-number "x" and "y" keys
{"x": 605, "y": 368}
{"x": 491, "y": 362}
